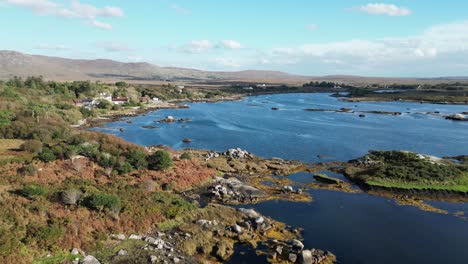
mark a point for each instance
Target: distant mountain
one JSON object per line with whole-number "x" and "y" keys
{"x": 14, "y": 63}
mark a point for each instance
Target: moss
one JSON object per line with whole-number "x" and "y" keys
{"x": 326, "y": 179}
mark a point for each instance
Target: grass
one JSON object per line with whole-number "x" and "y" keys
{"x": 107, "y": 253}
{"x": 10, "y": 151}
{"x": 406, "y": 170}
{"x": 417, "y": 185}
{"x": 58, "y": 258}
{"x": 326, "y": 179}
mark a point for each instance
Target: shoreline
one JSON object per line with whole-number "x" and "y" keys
{"x": 176, "y": 104}
{"x": 374, "y": 99}
{"x": 170, "y": 104}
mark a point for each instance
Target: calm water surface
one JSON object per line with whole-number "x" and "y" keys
{"x": 358, "y": 228}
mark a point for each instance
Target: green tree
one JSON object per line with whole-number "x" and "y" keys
{"x": 160, "y": 160}
{"x": 47, "y": 155}
{"x": 121, "y": 85}
{"x": 137, "y": 158}
{"x": 101, "y": 201}
{"x": 104, "y": 104}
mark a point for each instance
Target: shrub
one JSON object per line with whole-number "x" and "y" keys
{"x": 47, "y": 155}
{"x": 125, "y": 168}
{"x": 101, "y": 201}
{"x": 87, "y": 112}
{"x": 45, "y": 236}
{"x": 71, "y": 196}
{"x": 28, "y": 170}
{"x": 59, "y": 151}
{"x": 89, "y": 150}
{"x": 32, "y": 190}
{"x": 137, "y": 158}
{"x": 149, "y": 185}
{"x": 106, "y": 160}
{"x": 32, "y": 146}
{"x": 160, "y": 160}
{"x": 104, "y": 104}
{"x": 9, "y": 242}
{"x": 186, "y": 156}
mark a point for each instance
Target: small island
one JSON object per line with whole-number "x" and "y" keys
{"x": 410, "y": 173}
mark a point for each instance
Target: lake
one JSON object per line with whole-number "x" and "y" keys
{"x": 358, "y": 228}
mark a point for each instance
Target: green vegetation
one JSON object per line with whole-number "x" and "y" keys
{"x": 64, "y": 187}
{"x": 137, "y": 158}
{"x": 186, "y": 156}
{"x": 407, "y": 170}
{"x": 101, "y": 201}
{"x": 160, "y": 160}
{"x": 431, "y": 93}
{"x": 47, "y": 155}
{"x": 326, "y": 179}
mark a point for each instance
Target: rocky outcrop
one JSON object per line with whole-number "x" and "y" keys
{"x": 171, "y": 119}
{"x": 234, "y": 191}
{"x": 237, "y": 153}
{"x": 457, "y": 117}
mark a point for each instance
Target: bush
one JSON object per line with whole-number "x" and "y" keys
{"x": 186, "y": 156}
{"x": 32, "y": 146}
{"x": 71, "y": 196}
{"x": 160, "y": 160}
{"x": 106, "y": 160}
{"x": 32, "y": 190}
{"x": 45, "y": 236}
{"x": 47, "y": 155}
{"x": 125, "y": 168}
{"x": 101, "y": 201}
{"x": 104, "y": 104}
{"x": 137, "y": 158}
{"x": 9, "y": 242}
{"x": 28, "y": 170}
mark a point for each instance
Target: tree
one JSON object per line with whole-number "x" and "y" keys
{"x": 32, "y": 146}
{"x": 104, "y": 104}
{"x": 101, "y": 201}
{"x": 47, "y": 155}
{"x": 137, "y": 158}
{"x": 121, "y": 85}
{"x": 160, "y": 160}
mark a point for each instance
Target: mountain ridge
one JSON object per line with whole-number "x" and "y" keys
{"x": 14, "y": 63}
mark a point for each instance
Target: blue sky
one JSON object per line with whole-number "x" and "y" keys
{"x": 395, "y": 38}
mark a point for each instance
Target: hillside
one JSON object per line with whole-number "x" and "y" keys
{"x": 53, "y": 68}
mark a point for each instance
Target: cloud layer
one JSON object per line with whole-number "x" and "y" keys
{"x": 76, "y": 10}
{"x": 384, "y": 9}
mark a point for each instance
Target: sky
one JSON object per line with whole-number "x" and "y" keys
{"x": 407, "y": 38}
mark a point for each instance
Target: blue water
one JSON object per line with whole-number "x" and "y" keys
{"x": 358, "y": 228}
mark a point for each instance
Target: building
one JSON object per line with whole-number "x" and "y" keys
{"x": 119, "y": 100}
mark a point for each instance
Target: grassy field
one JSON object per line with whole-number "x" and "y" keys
{"x": 462, "y": 185}
{"x": 10, "y": 151}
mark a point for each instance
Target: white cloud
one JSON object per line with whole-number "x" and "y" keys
{"x": 312, "y": 27}
{"x": 115, "y": 47}
{"x": 439, "y": 46}
{"x": 230, "y": 44}
{"x": 200, "y": 46}
{"x": 101, "y": 25}
{"x": 384, "y": 9}
{"x": 51, "y": 47}
{"x": 76, "y": 10}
